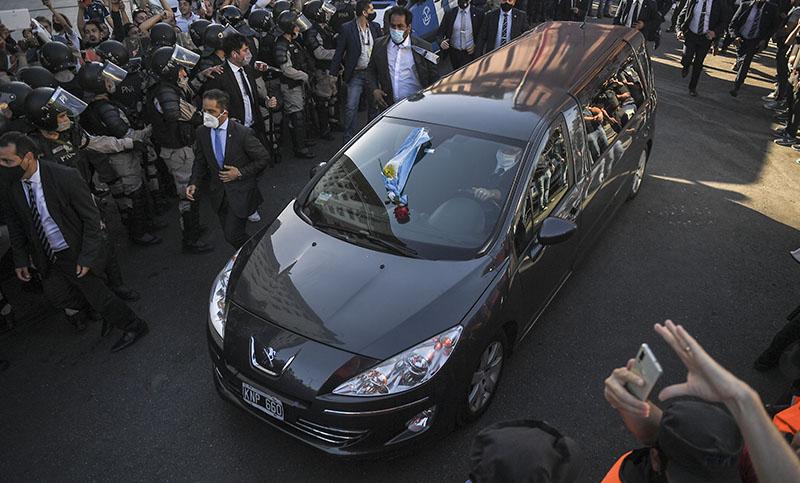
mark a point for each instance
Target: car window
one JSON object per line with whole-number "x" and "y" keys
{"x": 455, "y": 191}
{"x": 612, "y": 106}
{"x": 548, "y": 184}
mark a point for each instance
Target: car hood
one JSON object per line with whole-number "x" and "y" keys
{"x": 363, "y": 301}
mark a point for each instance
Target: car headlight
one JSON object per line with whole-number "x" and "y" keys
{"x": 405, "y": 370}
{"x": 217, "y": 303}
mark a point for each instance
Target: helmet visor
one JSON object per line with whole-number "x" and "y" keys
{"x": 302, "y": 22}
{"x": 244, "y": 28}
{"x": 185, "y": 40}
{"x": 328, "y": 9}
{"x": 114, "y": 73}
{"x": 62, "y": 100}
{"x": 229, "y": 30}
{"x": 185, "y": 57}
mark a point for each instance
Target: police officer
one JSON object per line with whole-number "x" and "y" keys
{"x": 63, "y": 140}
{"x": 162, "y": 35}
{"x": 196, "y": 31}
{"x": 262, "y": 21}
{"x": 175, "y": 119}
{"x": 37, "y": 76}
{"x": 59, "y": 60}
{"x": 106, "y": 118}
{"x": 14, "y": 115}
{"x": 345, "y": 12}
{"x": 212, "y": 56}
{"x": 320, "y": 41}
{"x": 295, "y": 69}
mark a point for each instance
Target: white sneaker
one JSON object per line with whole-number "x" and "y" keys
{"x": 254, "y": 218}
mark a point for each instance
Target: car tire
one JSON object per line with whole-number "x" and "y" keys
{"x": 480, "y": 385}
{"x": 638, "y": 175}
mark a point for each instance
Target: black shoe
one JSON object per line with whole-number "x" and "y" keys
{"x": 4, "y": 365}
{"x": 196, "y": 247}
{"x": 129, "y": 337}
{"x": 305, "y": 154}
{"x": 684, "y": 71}
{"x": 146, "y": 239}
{"x": 734, "y": 92}
{"x": 126, "y": 293}
{"x": 105, "y": 329}
{"x": 77, "y": 321}
{"x": 692, "y": 92}
{"x": 765, "y": 362}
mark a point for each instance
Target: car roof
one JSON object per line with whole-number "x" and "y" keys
{"x": 508, "y": 91}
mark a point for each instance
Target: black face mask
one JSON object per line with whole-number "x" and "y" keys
{"x": 463, "y": 5}
{"x": 11, "y": 175}
{"x": 371, "y": 17}
{"x": 506, "y": 7}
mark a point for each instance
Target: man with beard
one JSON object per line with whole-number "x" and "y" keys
{"x": 92, "y": 36}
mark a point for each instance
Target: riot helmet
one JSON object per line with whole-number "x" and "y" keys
{"x": 17, "y": 93}
{"x": 196, "y": 31}
{"x": 113, "y": 51}
{"x": 37, "y": 76}
{"x": 212, "y": 38}
{"x": 162, "y": 34}
{"x": 44, "y": 104}
{"x": 56, "y": 57}
{"x": 262, "y": 21}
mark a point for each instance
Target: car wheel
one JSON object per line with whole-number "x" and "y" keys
{"x": 638, "y": 175}
{"x": 481, "y": 386}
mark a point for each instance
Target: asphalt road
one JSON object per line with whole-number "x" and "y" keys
{"x": 705, "y": 244}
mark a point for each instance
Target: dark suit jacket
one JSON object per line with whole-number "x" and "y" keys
{"x": 562, "y": 10}
{"x": 767, "y": 25}
{"x": 716, "y": 19}
{"x": 488, "y": 33}
{"x": 648, "y": 13}
{"x": 243, "y": 150}
{"x": 227, "y": 82}
{"x": 348, "y": 48}
{"x": 446, "y": 27}
{"x": 72, "y": 208}
{"x": 378, "y": 69}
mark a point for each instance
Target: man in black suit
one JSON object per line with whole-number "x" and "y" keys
{"x": 413, "y": 65}
{"x": 54, "y": 223}
{"x": 571, "y": 10}
{"x": 501, "y": 26}
{"x": 751, "y": 26}
{"x": 238, "y": 80}
{"x": 458, "y": 33}
{"x": 698, "y": 24}
{"x": 229, "y": 158}
{"x": 354, "y": 46}
{"x": 642, "y": 15}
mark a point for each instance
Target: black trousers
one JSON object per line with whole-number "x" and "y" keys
{"x": 460, "y": 58}
{"x": 695, "y": 49}
{"x": 233, "y": 228}
{"x": 793, "y": 101}
{"x": 782, "y": 68}
{"x": 66, "y": 291}
{"x": 744, "y": 56}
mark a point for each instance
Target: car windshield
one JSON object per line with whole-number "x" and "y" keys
{"x": 418, "y": 189}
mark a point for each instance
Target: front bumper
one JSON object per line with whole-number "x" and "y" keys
{"x": 340, "y": 426}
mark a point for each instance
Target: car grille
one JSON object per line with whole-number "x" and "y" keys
{"x": 335, "y": 436}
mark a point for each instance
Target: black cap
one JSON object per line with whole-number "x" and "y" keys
{"x": 524, "y": 450}
{"x": 701, "y": 442}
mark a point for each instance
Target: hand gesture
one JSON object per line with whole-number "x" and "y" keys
{"x": 445, "y": 44}
{"x": 229, "y": 173}
{"x": 211, "y": 72}
{"x": 380, "y": 98}
{"x": 706, "y": 379}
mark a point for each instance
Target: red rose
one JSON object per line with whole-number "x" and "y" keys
{"x": 401, "y": 214}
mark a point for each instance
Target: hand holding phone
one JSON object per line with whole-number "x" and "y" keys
{"x": 648, "y": 369}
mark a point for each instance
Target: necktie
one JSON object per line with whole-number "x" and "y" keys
{"x": 37, "y": 223}
{"x": 633, "y": 13}
{"x": 246, "y": 85}
{"x": 504, "y": 32}
{"x": 701, "y": 28}
{"x": 219, "y": 153}
{"x": 463, "y": 44}
{"x": 754, "y": 28}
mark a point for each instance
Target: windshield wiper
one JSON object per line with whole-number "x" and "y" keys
{"x": 392, "y": 246}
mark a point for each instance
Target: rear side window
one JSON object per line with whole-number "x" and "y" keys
{"x": 611, "y": 107}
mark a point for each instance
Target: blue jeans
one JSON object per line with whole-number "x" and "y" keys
{"x": 355, "y": 87}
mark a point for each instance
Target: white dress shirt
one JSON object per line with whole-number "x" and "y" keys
{"x": 366, "y": 47}
{"x": 215, "y": 136}
{"x": 636, "y": 5}
{"x": 694, "y": 25}
{"x": 463, "y": 38}
{"x": 248, "y": 106}
{"x": 184, "y": 22}
{"x": 51, "y": 229}
{"x": 499, "y": 37}
{"x": 401, "y": 69}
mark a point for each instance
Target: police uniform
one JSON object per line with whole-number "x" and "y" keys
{"x": 321, "y": 43}
{"x": 295, "y": 68}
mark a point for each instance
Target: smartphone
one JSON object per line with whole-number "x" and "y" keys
{"x": 647, "y": 367}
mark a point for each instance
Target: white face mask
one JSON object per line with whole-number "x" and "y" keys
{"x": 397, "y": 35}
{"x": 506, "y": 161}
{"x": 210, "y": 121}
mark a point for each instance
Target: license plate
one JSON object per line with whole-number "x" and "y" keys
{"x": 264, "y": 402}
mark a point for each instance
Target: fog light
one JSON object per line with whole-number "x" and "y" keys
{"x": 421, "y": 421}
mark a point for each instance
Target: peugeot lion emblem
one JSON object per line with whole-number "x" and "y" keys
{"x": 270, "y": 353}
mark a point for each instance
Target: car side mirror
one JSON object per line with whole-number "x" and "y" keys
{"x": 315, "y": 169}
{"x": 556, "y": 230}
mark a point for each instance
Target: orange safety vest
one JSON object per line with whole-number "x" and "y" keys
{"x": 613, "y": 473}
{"x": 788, "y": 420}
